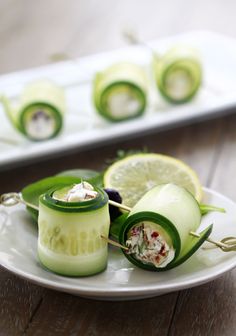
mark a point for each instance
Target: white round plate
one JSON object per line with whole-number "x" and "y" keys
{"x": 121, "y": 280}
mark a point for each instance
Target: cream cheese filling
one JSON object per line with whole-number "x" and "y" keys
{"x": 147, "y": 243}
{"x": 123, "y": 104}
{"x": 40, "y": 125}
{"x": 78, "y": 193}
{"x": 179, "y": 84}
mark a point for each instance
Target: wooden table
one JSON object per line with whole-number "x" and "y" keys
{"x": 29, "y": 33}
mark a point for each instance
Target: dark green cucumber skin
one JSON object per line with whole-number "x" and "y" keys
{"x": 179, "y": 259}
{"x": 205, "y": 209}
{"x": 171, "y": 99}
{"x": 106, "y": 115}
{"x": 56, "y": 112}
{"x": 74, "y": 207}
{"x": 198, "y": 242}
{"x": 155, "y": 218}
{"x": 32, "y": 192}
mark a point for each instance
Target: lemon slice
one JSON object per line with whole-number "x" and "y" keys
{"x": 134, "y": 175}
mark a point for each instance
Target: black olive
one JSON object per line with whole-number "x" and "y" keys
{"x": 113, "y": 196}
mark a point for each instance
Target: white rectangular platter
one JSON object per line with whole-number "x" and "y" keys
{"x": 83, "y": 127}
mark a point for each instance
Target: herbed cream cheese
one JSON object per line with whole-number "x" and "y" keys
{"x": 123, "y": 104}
{"x": 149, "y": 246}
{"x": 41, "y": 125}
{"x": 78, "y": 193}
{"x": 179, "y": 84}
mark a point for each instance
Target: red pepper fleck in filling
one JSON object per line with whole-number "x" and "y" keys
{"x": 154, "y": 234}
{"x": 162, "y": 252}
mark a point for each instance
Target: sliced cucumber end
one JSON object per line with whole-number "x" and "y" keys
{"x": 179, "y": 79}
{"x": 40, "y": 121}
{"x": 122, "y": 101}
{"x": 160, "y": 224}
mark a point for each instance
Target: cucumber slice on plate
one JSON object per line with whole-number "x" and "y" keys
{"x": 178, "y": 74}
{"x": 39, "y": 115}
{"x": 69, "y": 241}
{"x": 120, "y": 92}
{"x": 157, "y": 229}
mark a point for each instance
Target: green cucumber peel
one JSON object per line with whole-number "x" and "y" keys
{"x": 54, "y": 112}
{"x": 37, "y": 96}
{"x": 165, "y": 223}
{"x": 101, "y": 104}
{"x": 32, "y": 192}
{"x": 193, "y": 244}
{"x": 206, "y": 208}
{"x": 190, "y": 247}
{"x": 127, "y": 78}
{"x": 76, "y": 207}
{"x": 178, "y": 59}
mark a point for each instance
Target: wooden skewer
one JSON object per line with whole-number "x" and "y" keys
{"x": 222, "y": 245}
{"x": 114, "y": 243}
{"x": 119, "y": 205}
{"x": 217, "y": 243}
{"x": 14, "y": 198}
{"x": 132, "y": 38}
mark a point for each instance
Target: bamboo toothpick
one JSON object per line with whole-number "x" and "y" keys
{"x": 114, "y": 243}
{"x": 119, "y": 205}
{"x": 227, "y": 244}
{"x": 226, "y": 247}
{"x": 132, "y": 38}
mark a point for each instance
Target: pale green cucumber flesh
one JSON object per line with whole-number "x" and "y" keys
{"x": 71, "y": 243}
{"x": 73, "y": 266}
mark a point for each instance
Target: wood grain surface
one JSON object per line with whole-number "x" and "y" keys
{"x": 30, "y": 32}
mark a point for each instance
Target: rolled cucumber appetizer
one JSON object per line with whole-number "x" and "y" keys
{"x": 178, "y": 74}
{"x": 120, "y": 92}
{"x": 39, "y": 114}
{"x": 157, "y": 230}
{"x": 72, "y": 221}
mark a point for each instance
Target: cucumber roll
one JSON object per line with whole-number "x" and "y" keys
{"x": 157, "y": 230}
{"x": 71, "y": 223}
{"x": 120, "y": 92}
{"x": 39, "y": 115}
{"x": 178, "y": 74}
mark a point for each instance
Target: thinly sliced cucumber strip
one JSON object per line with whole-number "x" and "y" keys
{"x": 39, "y": 115}
{"x": 69, "y": 240}
{"x": 120, "y": 92}
{"x": 168, "y": 212}
{"x": 178, "y": 74}
{"x": 191, "y": 247}
{"x": 33, "y": 191}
